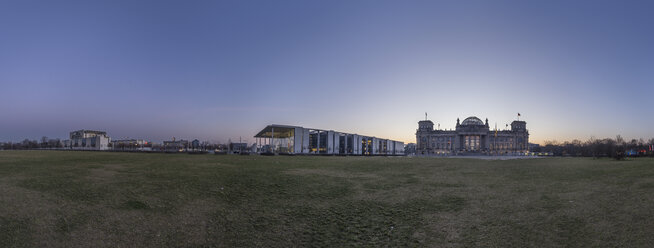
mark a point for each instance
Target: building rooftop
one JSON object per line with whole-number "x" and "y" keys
{"x": 90, "y": 131}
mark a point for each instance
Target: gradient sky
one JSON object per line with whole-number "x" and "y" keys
{"x": 215, "y": 70}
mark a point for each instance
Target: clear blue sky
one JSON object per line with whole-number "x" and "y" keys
{"x": 215, "y": 70}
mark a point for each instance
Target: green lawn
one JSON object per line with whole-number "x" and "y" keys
{"x": 93, "y": 199}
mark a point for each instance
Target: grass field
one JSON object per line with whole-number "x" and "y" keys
{"x": 93, "y": 199}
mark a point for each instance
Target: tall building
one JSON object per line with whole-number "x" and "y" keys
{"x": 88, "y": 140}
{"x": 472, "y": 136}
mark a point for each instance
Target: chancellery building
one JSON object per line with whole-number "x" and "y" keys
{"x": 472, "y": 136}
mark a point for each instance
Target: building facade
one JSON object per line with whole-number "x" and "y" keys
{"x": 410, "y": 149}
{"x": 283, "y": 139}
{"x": 130, "y": 144}
{"x": 472, "y": 136}
{"x": 237, "y": 147}
{"x": 176, "y": 145}
{"x": 88, "y": 140}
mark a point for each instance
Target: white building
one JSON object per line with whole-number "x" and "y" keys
{"x": 282, "y": 139}
{"x": 88, "y": 140}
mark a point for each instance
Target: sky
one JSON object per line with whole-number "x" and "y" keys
{"x": 220, "y": 70}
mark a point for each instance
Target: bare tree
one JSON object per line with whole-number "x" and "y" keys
{"x": 619, "y": 140}
{"x": 44, "y": 141}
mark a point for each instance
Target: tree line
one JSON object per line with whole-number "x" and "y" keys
{"x": 47, "y": 143}
{"x": 607, "y": 147}
{"x": 44, "y": 142}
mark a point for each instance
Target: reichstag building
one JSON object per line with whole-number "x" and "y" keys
{"x": 472, "y": 136}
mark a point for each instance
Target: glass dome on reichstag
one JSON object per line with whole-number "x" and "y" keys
{"x": 471, "y": 121}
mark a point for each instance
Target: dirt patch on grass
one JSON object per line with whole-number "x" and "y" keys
{"x": 192, "y": 220}
{"x": 114, "y": 166}
{"x": 144, "y": 227}
{"x": 25, "y": 210}
{"x": 101, "y": 174}
{"x": 19, "y": 201}
{"x": 330, "y": 173}
{"x": 391, "y": 196}
{"x": 105, "y": 172}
